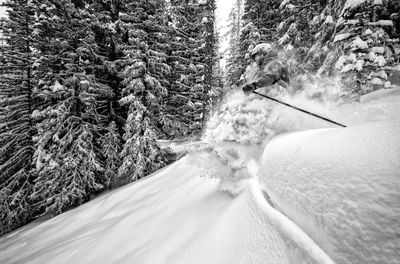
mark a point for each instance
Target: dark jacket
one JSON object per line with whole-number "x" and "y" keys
{"x": 270, "y": 71}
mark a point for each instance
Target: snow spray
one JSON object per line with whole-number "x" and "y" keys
{"x": 253, "y": 119}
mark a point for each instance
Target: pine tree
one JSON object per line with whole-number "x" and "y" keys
{"x": 363, "y": 46}
{"x": 107, "y": 36}
{"x": 16, "y": 124}
{"x": 210, "y": 58}
{"x": 111, "y": 148}
{"x": 67, "y": 155}
{"x": 145, "y": 79}
{"x": 184, "y": 102}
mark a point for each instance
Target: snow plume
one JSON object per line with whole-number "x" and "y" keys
{"x": 241, "y": 162}
{"x": 254, "y": 119}
{"x": 241, "y": 119}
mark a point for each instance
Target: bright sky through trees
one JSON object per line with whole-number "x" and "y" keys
{"x": 2, "y": 9}
{"x": 222, "y": 13}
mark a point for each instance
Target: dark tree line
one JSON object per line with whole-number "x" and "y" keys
{"x": 86, "y": 89}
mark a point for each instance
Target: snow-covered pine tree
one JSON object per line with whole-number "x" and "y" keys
{"x": 364, "y": 45}
{"x": 145, "y": 79}
{"x": 188, "y": 101}
{"x": 184, "y": 102}
{"x": 111, "y": 148}
{"x": 322, "y": 27}
{"x": 16, "y": 107}
{"x": 67, "y": 158}
{"x": 213, "y": 73}
{"x": 295, "y": 28}
{"x": 107, "y": 36}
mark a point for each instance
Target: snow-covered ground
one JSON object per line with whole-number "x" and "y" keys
{"x": 178, "y": 215}
{"x": 321, "y": 194}
{"x": 342, "y": 187}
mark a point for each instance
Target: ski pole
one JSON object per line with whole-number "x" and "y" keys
{"x": 301, "y": 110}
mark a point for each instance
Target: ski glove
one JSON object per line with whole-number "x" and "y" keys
{"x": 249, "y": 88}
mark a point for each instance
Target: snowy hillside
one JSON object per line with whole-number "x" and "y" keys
{"x": 179, "y": 215}
{"x": 318, "y": 196}
{"x": 341, "y": 187}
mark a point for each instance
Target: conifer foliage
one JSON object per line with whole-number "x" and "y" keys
{"x": 365, "y": 45}
{"x": 111, "y": 148}
{"x": 185, "y": 99}
{"x": 145, "y": 80}
{"x": 16, "y": 124}
{"x": 193, "y": 56}
{"x": 67, "y": 160}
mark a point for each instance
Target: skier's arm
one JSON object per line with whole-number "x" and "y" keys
{"x": 266, "y": 80}
{"x": 276, "y": 72}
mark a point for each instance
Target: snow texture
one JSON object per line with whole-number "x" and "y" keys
{"x": 263, "y": 47}
{"x": 350, "y": 4}
{"x": 57, "y": 87}
{"x": 341, "y": 186}
{"x": 290, "y": 6}
{"x": 329, "y": 20}
{"x": 380, "y": 60}
{"x": 342, "y": 36}
{"x": 347, "y": 68}
{"x": 358, "y": 43}
{"x": 202, "y": 2}
{"x": 379, "y": 50}
{"x": 284, "y": 3}
{"x": 367, "y": 32}
{"x": 340, "y": 62}
{"x": 284, "y": 39}
{"x": 376, "y": 81}
{"x": 371, "y": 56}
{"x": 382, "y": 23}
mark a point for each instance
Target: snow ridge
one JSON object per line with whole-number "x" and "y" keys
{"x": 288, "y": 228}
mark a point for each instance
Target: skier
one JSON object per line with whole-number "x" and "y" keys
{"x": 266, "y": 69}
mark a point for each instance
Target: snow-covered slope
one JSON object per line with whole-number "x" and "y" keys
{"x": 179, "y": 215}
{"x": 342, "y": 187}
{"x": 314, "y": 196}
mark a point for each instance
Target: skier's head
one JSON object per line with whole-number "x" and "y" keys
{"x": 262, "y": 51}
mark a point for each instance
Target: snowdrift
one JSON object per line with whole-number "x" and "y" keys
{"x": 342, "y": 187}
{"x": 179, "y": 215}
